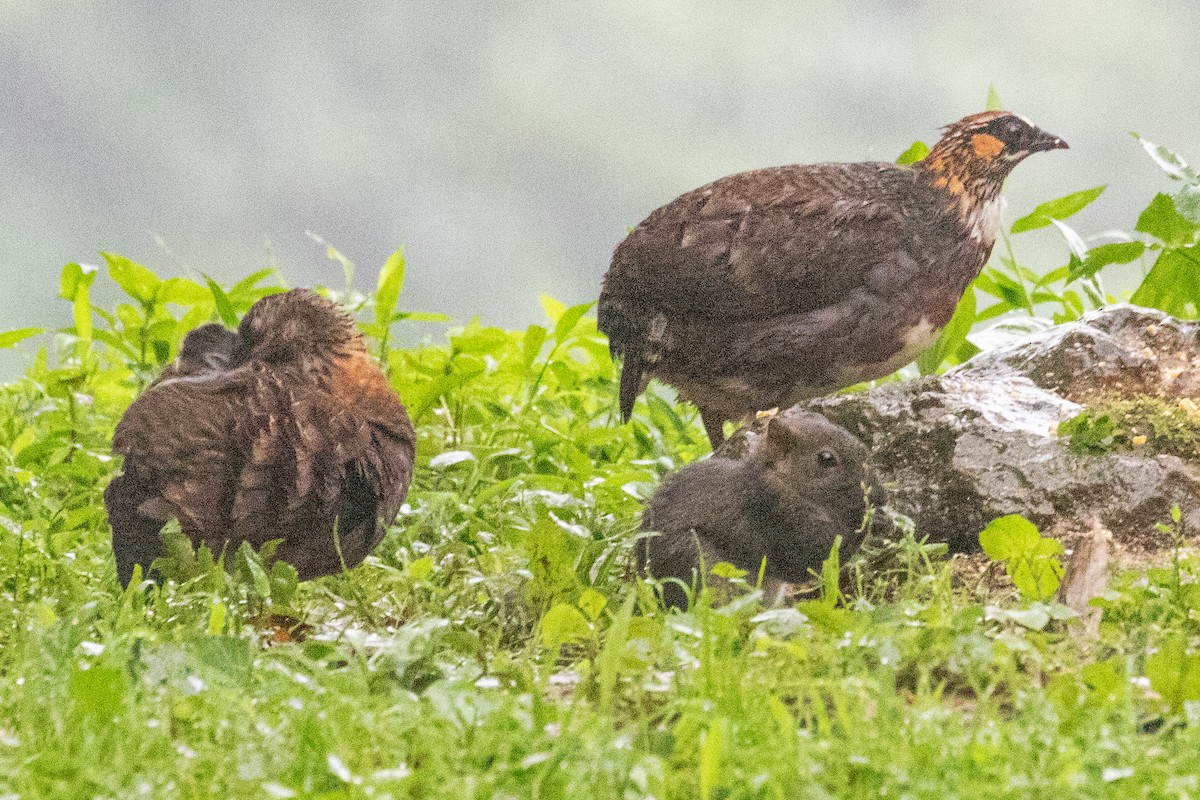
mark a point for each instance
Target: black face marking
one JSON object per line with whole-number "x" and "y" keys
{"x": 1010, "y": 129}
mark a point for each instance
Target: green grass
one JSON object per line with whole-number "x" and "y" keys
{"x": 493, "y": 645}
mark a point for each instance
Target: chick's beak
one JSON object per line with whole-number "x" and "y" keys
{"x": 1042, "y": 140}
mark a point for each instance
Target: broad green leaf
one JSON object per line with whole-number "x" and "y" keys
{"x": 531, "y": 345}
{"x": 21, "y": 441}
{"x": 1048, "y": 546}
{"x": 372, "y": 330}
{"x": 1033, "y": 578}
{"x": 10, "y": 338}
{"x": 566, "y": 323}
{"x": 284, "y": 582}
{"x": 98, "y": 690}
{"x": 389, "y": 286}
{"x": 81, "y": 310}
{"x": 1030, "y": 560}
{"x": 181, "y": 291}
{"x": 1174, "y": 672}
{"x": 217, "y": 613}
{"x": 831, "y": 592}
{"x": 591, "y": 603}
{"x": 1060, "y": 209}
{"x": 75, "y": 277}
{"x": 562, "y": 624}
{"x": 249, "y": 561}
{"x": 248, "y": 286}
{"x": 1054, "y": 276}
{"x": 478, "y": 340}
{"x": 224, "y": 305}
{"x": 1034, "y": 618}
{"x": 1102, "y": 255}
{"x": 553, "y": 308}
{"x": 117, "y": 343}
{"x": 1008, "y": 536}
{"x": 951, "y": 337}
{"x": 723, "y": 569}
{"x": 915, "y": 152}
{"x": 194, "y": 317}
{"x": 134, "y": 279}
{"x": 1012, "y": 294}
{"x": 1164, "y": 222}
{"x": 1173, "y": 283}
{"x": 421, "y": 568}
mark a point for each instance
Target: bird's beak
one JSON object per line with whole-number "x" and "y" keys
{"x": 1041, "y": 140}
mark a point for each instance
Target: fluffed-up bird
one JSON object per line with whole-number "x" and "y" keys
{"x": 773, "y": 286}
{"x": 285, "y": 430}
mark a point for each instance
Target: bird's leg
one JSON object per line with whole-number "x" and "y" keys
{"x": 714, "y": 426}
{"x": 134, "y": 535}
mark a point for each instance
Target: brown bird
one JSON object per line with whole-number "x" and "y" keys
{"x": 803, "y": 484}
{"x": 776, "y": 285}
{"x": 285, "y": 430}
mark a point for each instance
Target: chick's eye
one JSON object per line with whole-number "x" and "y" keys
{"x": 826, "y": 460}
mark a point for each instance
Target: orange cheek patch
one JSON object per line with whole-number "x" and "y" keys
{"x": 986, "y": 146}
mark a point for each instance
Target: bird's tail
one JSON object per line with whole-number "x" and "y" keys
{"x": 631, "y": 380}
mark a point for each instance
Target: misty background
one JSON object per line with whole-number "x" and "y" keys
{"x": 509, "y": 145}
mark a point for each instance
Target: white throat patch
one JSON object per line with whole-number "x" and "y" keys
{"x": 984, "y": 220}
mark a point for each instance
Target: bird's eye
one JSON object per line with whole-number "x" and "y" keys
{"x": 826, "y": 460}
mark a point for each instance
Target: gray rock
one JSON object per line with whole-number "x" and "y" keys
{"x": 960, "y": 449}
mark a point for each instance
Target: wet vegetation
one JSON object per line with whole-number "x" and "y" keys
{"x": 494, "y": 646}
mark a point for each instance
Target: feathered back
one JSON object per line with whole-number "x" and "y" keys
{"x": 299, "y": 437}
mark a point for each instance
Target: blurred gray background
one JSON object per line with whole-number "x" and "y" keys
{"x": 509, "y": 145}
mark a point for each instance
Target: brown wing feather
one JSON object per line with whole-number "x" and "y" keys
{"x": 762, "y": 248}
{"x": 763, "y": 241}
{"x": 178, "y": 462}
{"x": 384, "y": 457}
{"x": 194, "y": 466}
{"x": 324, "y": 456}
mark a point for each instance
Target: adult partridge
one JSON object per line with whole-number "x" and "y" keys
{"x": 776, "y": 285}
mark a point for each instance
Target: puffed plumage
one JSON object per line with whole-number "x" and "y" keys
{"x": 285, "y": 430}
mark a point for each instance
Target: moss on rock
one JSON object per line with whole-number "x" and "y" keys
{"x": 1150, "y": 425}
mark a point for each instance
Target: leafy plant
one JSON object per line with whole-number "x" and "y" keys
{"x": 1030, "y": 559}
{"x": 1174, "y": 672}
{"x": 490, "y": 646}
